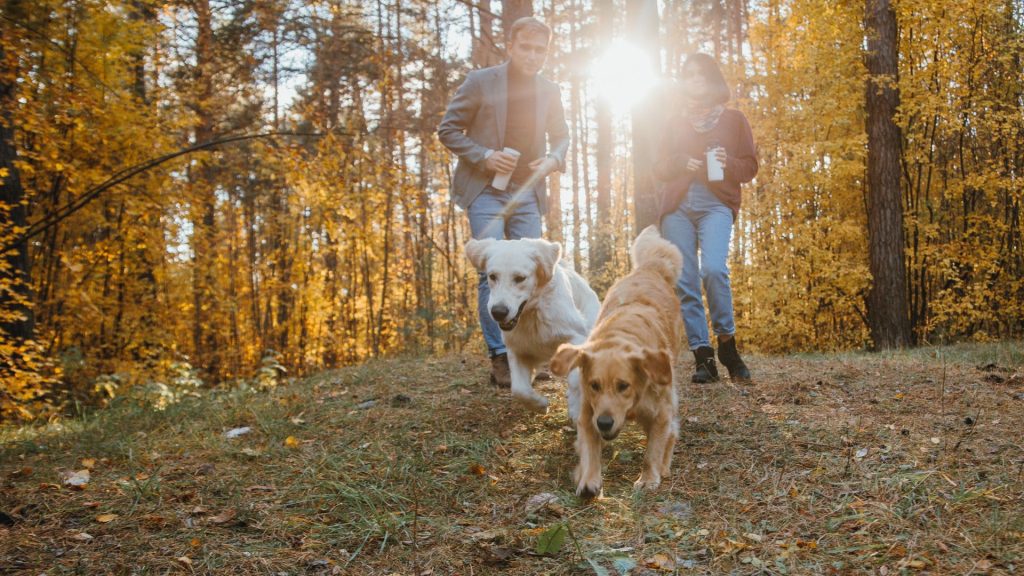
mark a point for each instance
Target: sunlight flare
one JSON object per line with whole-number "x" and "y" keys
{"x": 623, "y": 75}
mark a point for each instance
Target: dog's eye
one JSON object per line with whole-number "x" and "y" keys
{"x": 622, "y": 386}
{"x": 595, "y": 386}
{"x": 518, "y": 279}
{"x": 492, "y": 277}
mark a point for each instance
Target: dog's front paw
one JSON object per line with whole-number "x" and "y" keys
{"x": 588, "y": 491}
{"x": 648, "y": 482}
{"x": 588, "y": 484}
{"x": 533, "y": 401}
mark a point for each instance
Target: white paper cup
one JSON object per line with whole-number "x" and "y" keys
{"x": 500, "y": 181}
{"x": 715, "y": 170}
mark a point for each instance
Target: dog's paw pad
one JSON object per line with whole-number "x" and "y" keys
{"x": 587, "y": 492}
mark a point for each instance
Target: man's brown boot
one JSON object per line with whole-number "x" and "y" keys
{"x": 500, "y": 375}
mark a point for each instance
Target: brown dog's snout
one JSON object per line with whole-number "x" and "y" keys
{"x": 605, "y": 422}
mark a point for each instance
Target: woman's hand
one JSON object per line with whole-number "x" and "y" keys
{"x": 694, "y": 165}
{"x": 721, "y": 157}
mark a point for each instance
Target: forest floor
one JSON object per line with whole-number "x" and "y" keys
{"x": 896, "y": 463}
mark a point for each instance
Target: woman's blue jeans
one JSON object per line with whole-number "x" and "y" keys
{"x": 503, "y": 216}
{"x": 702, "y": 230}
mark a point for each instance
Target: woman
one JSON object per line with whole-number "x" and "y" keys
{"x": 697, "y": 211}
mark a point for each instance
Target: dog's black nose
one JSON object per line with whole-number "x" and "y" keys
{"x": 605, "y": 423}
{"x": 499, "y": 312}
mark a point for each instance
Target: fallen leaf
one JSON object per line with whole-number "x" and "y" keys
{"x": 90, "y": 504}
{"x": 195, "y": 542}
{"x": 250, "y": 452}
{"x": 224, "y": 517}
{"x": 89, "y": 463}
{"x": 105, "y": 518}
{"x": 153, "y": 519}
{"x": 477, "y": 469}
{"x": 487, "y": 535}
{"x": 81, "y": 536}
{"x": 22, "y": 472}
{"x": 261, "y": 488}
{"x": 184, "y": 560}
{"x": 141, "y": 476}
{"x": 661, "y": 562}
{"x": 915, "y": 563}
{"x": 291, "y": 442}
{"x": 199, "y": 510}
{"x": 754, "y": 537}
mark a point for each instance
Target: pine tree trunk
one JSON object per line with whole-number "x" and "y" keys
{"x": 601, "y": 235}
{"x": 15, "y": 287}
{"x": 643, "y": 27}
{"x": 887, "y": 312}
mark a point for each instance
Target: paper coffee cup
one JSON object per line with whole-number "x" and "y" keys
{"x": 715, "y": 170}
{"x": 500, "y": 181}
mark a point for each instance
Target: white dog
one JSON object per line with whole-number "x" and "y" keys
{"x": 539, "y": 303}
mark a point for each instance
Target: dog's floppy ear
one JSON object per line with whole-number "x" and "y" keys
{"x": 656, "y": 365}
{"x": 476, "y": 252}
{"x": 566, "y": 358}
{"x": 547, "y": 255}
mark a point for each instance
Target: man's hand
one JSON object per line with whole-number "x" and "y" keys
{"x": 544, "y": 166}
{"x": 501, "y": 162}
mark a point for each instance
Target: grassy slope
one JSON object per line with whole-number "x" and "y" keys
{"x": 828, "y": 464}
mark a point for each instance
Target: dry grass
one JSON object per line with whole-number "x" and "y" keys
{"x": 849, "y": 464}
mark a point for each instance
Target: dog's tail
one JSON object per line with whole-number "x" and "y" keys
{"x": 652, "y": 251}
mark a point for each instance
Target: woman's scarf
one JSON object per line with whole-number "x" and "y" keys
{"x": 703, "y": 118}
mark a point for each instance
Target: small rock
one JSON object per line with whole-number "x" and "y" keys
{"x": 236, "y": 432}
{"x": 367, "y": 404}
{"x": 538, "y": 501}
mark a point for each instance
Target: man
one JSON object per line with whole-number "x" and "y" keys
{"x": 506, "y": 106}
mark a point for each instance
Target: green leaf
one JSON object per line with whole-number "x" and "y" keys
{"x": 551, "y": 540}
{"x": 623, "y": 564}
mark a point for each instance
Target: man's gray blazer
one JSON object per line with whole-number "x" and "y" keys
{"x": 475, "y": 123}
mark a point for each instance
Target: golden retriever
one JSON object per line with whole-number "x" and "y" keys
{"x": 626, "y": 365}
{"x": 539, "y": 302}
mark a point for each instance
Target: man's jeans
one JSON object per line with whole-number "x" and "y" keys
{"x": 702, "y": 225}
{"x": 502, "y": 216}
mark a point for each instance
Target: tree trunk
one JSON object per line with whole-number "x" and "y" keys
{"x": 601, "y": 235}
{"x": 485, "y": 45}
{"x": 512, "y": 10}
{"x": 643, "y": 28}
{"x": 15, "y": 287}
{"x": 888, "y": 316}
